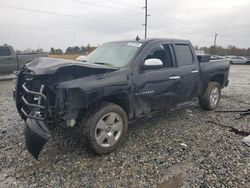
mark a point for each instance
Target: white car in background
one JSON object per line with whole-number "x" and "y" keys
{"x": 81, "y": 58}
{"x": 217, "y": 57}
{"x": 239, "y": 60}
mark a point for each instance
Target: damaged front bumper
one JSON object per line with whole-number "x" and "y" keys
{"x": 32, "y": 104}
{"x": 43, "y": 107}
{"x": 36, "y": 136}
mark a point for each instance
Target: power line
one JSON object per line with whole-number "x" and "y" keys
{"x": 182, "y": 24}
{"x": 105, "y": 6}
{"x": 127, "y": 4}
{"x": 208, "y": 33}
{"x": 190, "y": 30}
{"x": 179, "y": 34}
{"x": 155, "y": 16}
{"x": 164, "y": 18}
{"x": 68, "y": 15}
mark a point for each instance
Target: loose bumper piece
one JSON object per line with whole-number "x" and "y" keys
{"x": 37, "y": 135}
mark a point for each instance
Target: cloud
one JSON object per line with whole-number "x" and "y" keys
{"x": 62, "y": 23}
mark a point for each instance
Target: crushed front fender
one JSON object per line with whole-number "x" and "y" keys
{"x": 37, "y": 135}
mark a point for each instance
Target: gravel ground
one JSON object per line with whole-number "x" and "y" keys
{"x": 173, "y": 149}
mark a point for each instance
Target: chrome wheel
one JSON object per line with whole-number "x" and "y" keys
{"x": 214, "y": 96}
{"x": 109, "y": 129}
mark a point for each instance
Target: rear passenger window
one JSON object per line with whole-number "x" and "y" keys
{"x": 4, "y": 51}
{"x": 162, "y": 52}
{"x": 184, "y": 54}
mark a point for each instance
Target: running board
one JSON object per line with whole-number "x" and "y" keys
{"x": 185, "y": 104}
{"x": 179, "y": 106}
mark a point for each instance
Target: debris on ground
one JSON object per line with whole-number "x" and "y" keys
{"x": 242, "y": 113}
{"x": 231, "y": 129}
{"x": 173, "y": 182}
{"x": 184, "y": 145}
{"x": 2, "y": 133}
{"x": 246, "y": 140}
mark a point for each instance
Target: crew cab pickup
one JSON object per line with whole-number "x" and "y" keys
{"x": 10, "y": 61}
{"x": 118, "y": 83}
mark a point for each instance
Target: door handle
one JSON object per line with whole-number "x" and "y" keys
{"x": 9, "y": 58}
{"x": 195, "y": 71}
{"x": 174, "y": 77}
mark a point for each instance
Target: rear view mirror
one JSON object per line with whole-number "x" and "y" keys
{"x": 152, "y": 64}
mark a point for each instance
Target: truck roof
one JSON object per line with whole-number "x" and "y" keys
{"x": 155, "y": 40}
{"x": 5, "y": 45}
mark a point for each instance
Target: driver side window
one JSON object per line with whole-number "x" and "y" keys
{"x": 162, "y": 52}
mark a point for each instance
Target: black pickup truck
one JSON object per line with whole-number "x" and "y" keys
{"x": 118, "y": 83}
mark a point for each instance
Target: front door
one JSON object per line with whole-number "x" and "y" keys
{"x": 157, "y": 89}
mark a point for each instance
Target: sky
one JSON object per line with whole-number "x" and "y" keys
{"x": 61, "y": 23}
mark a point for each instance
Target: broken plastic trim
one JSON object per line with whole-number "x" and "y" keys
{"x": 37, "y": 135}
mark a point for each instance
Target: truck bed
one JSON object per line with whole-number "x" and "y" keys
{"x": 212, "y": 68}
{"x": 22, "y": 59}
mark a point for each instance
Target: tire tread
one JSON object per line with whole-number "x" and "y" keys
{"x": 88, "y": 123}
{"x": 205, "y": 98}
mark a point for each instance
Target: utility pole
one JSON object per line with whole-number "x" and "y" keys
{"x": 74, "y": 37}
{"x": 146, "y": 18}
{"x": 39, "y": 45}
{"x": 215, "y": 40}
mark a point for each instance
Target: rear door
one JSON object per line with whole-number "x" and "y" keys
{"x": 7, "y": 60}
{"x": 190, "y": 71}
{"x": 157, "y": 89}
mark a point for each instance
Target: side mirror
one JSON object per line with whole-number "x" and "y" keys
{"x": 204, "y": 58}
{"x": 152, "y": 64}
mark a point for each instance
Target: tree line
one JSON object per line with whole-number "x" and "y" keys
{"x": 74, "y": 50}
{"x": 218, "y": 50}
{"x": 230, "y": 50}
{"x": 84, "y": 50}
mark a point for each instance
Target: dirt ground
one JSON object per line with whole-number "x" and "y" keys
{"x": 188, "y": 148}
{"x": 68, "y": 57}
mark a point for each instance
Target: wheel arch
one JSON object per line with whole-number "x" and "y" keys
{"x": 219, "y": 78}
{"x": 120, "y": 99}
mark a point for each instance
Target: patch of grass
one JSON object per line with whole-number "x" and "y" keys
{"x": 225, "y": 96}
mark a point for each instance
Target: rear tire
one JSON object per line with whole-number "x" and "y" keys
{"x": 211, "y": 98}
{"x": 105, "y": 128}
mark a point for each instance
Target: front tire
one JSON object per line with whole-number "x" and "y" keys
{"x": 211, "y": 98}
{"x": 105, "y": 128}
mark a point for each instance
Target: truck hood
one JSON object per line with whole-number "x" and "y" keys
{"x": 44, "y": 65}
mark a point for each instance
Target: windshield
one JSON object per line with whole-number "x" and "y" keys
{"x": 114, "y": 54}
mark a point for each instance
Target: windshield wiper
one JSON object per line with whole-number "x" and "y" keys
{"x": 101, "y": 63}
